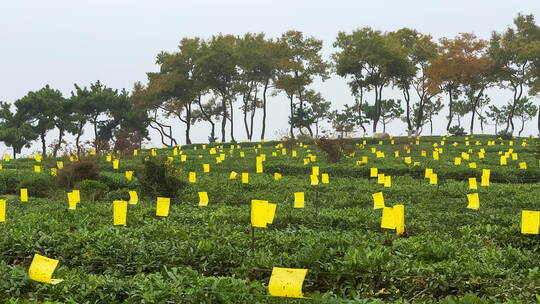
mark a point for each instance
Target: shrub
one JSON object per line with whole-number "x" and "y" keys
{"x": 160, "y": 178}
{"x": 335, "y": 149}
{"x": 115, "y": 180}
{"x": 9, "y": 181}
{"x": 505, "y": 135}
{"x": 75, "y": 172}
{"x": 92, "y": 190}
{"x": 117, "y": 195}
{"x": 457, "y": 131}
{"x": 38, "y": 184}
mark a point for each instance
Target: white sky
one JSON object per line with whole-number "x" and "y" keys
{"x": 62, "y": 42}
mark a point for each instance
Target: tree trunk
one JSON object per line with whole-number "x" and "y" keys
{"x": 264, "y": 110}
{"x": 407, "y": 97}
{"x": 60, "y": 138}
{"x": 232, "y": 120}
{"x": 522, "y": 126}
{"x": 518, "y": 91}
{"x": 292, "y": 115}
{"x": 430, "y": 125}
{"x": 450, "y": 113}
{"x": 43, "y": 144}
{"x": 377, "y": 108}
{"x": 253, "y": 111}
{"x": 207, "y": 118}
{"x": 224, "y": 120}
{"x": 188, "y": 123}
{"x": 361, "y": 121}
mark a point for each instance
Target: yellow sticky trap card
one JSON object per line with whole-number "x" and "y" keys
{"x": 287, "y": 282}
{"x": 115, "y": 164}
{"x": 373, "y": 172}
{"x": 2, "y": 211}
{"x": 262, "y": 213}
{"x": 530, "y": 222}
{"x": 119, "y": 213}
{"x": 433, "y": 179}
{"x": 378, "y": 200}
{"x": 133, "y": 197}
{"x": 42, "y": 269}
{"x": 314, "y": 170}
{"x": 24, "y": 195}
{"x": 299, "y": 200}
{"x": 206, "y": 168}
{"x": 245, "y": 178}
{"x": 37, "y": 169}
{"x": 314, "y": 180}
{"x": 474, "y": 201}
{"x": 473, "y": 185}
{"x": 192, "y": 177}
{"x": 203, "y": 199}
{"x": 523, "y": 166}
{"x": 233, "y": 175}
{"x": 325, "y": 178}
{"x": 129, "y": 175}
{"x": 162, "y": 206}
{"x": 277, "y": 176}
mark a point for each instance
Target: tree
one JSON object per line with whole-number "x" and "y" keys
{"x": 301, "y": 64}
{"x": 344, "y": 121}
{"x": 525, "y": 109}
{"x": 179, "y": 84}
{"x": 315, "y": 110}
{"x": 431, "y": 108}
{"x": 64, "y": 121}
{"x": 219, "y": 72}
{"x": 390, "y": 110}
{"x": 15, "y": 131}
{"x": 40, "y": 109}
{"x": 371, "y": 59}
{"x": 497, "y": 115}
{"x": 208, "y": 111}
{"x": 461, "y": 108}
{"x": 420, "y": 52}
{"x": 514, "y": 52}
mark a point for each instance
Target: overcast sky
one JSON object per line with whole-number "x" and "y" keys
{"x": 116, "y": 41}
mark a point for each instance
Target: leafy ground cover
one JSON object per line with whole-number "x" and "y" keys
{"x": 449, "y": 254}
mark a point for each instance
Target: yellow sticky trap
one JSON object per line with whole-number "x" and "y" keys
{"x": 287, "y": 282}
{"x": 203, "y": 199}
{"x": 503, "y": 161}
{"x": 380, "y": 178}
{"x": 60, "y": 165}
{"x": 72, "y": 200}
{"x": 277, "y": 176}
{"x": 486, "y": 173}
{"x": 135, "y": 152}
{"x": 192, "y": 177}
{"x": 433, "y": 179}
{"x": 162, "y": 206}
{"x": 457, "y": 161}
{"x": 299, "y": 200}
{"x": 245, "y": 178}
{"x": 133, "y": 198}
{"x": 183, "y": 157}
{"x": 435, "y": 155}
{"x": 387, "y": 181}
{"x": 37, "y": 169}
{"x": 6, "y": 157}
{"x": 314, "y": 180}
{"x": 42, "y": 269}
{"x": 325, "y": 178}
{"x": 119, "y": 213}
{"x": 233, "y": 175}
{"x": 206, "y": 168}
{"x": 259, "y": 166}
{"x": 314, "y": 170}
{"x": 24, "y": 195}
{"x": 2, "y": 211}
{"x": 474, "y": 201}
{"x": 373, "y": 172}
{"x": 399, "y": 218}
{"x": 54, "y": 171}
{"x": 262, "y": 213}
{"x": 530, "y": 222}
{"x": 154, "y": 153}
{"x": 523, "y": 166}
{"x": 473, "y": 185}
{"x": 378, "y": 200}
{"x": 115, "y": 164}
{"x": 388, "y": 221}
{"x": 472, "y": 165}
{"x": 294, "y": 154}
{"x": 428, "y": 172}
{"x": 129, "y": 175}
{"x": 408, "y": 160}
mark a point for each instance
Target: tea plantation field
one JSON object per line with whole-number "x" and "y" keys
{"x": 447, "y": 254}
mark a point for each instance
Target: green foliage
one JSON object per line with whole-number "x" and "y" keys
{"x": 115, "y": 181}
{"x": 160, "y": 178}
{"x": 92, "y": 190}
{"x": 457, "y": 131}
{"x": 75, "y": 172}
{"x": 117, "y": 195}
{"x": 335, "y": 149}
{"x": 38, "y": 184}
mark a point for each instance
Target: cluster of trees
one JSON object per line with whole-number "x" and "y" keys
{"x": 110, "y": 112}
{"x": 210, "y": 81}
